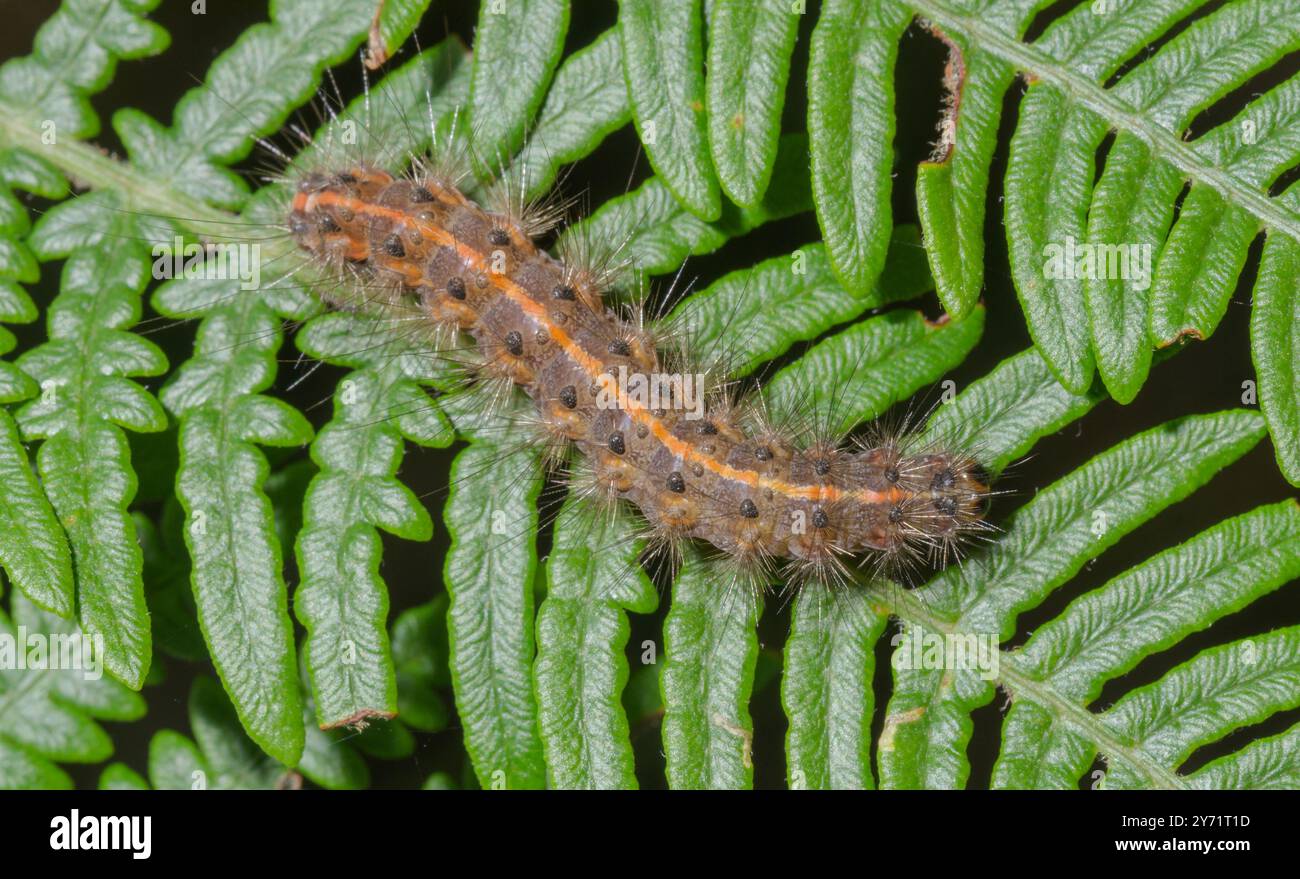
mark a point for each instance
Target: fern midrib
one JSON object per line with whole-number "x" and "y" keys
{"x": 92, "y": 168}
{"x": 1092, "y": 96}
{"x": 1018, "y": 681}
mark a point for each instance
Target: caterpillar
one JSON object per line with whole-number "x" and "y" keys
{"x": 697, "y": 463}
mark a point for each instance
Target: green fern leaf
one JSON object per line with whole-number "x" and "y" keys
{"x": 851, "y": 128}
{"x": 749, "y": 62}
{"x": 394, "y": 21}
{"x": 119, "y": 776}
{"x": 872, "y": 364}
{"x": 951, "y": 187}
{"x": 1149, "y": 607}
{"x": 710, "y": 650}
{"x": 342, "y": 600}
{"x": 1060, "y": 214}
{"x": 1134, "y": 200}
{"x": 1275, "y": 342}
{"x": 74, "y": 56}
{"x": 220, "y": 757}
{"x": 1004, "y": 413}
{"x": 1049, "y": 539}
{"x": 1202, "y": 700}
{"x": 788, "y": 299}
{"x": 46, "y": 96}
{"x": 592, "y": 578}
{"x": 84, "y": 461}
{"x": 516, "y": 49}
{"x": 35, "y": 552}
{"x": 656, "y": 233}
{"x": 552, "y": 701}
{"x": 489, "y": 576}
{"x": 663, "y": 58}
{"x": 827, "y": 691}
{"x": 420, "y": 652}
{"x": 586, "y": 102}
{"x": 1269, "y": 763}
{"x": 48, "y": 716}
{"x": 249, "y": 91}
{"x": 237, "y": 573}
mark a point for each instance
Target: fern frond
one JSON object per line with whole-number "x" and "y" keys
{"x": 35, "y": 551}
{"x": 249, "y": 91}
{"x": 47, "y": 716}
{"x": 592, "y": 581}
{"x": 763, "y": 310}
{"x": 872, "y": 365}
{"x": 1004, "y": 413}
{"x": 1047, "y": 542}
{"x": 1101, "y": 154}
{"x": 1268, "y": 763}
{"x": 237, "y": 573}
{"x": 1275, "y": 344}
{"x": 1201, "y": 701}
{"x": 238, "y": 584}
{"x": 851, "y": 132}
{"x": 750, "y": 44}
{"x": 421, "y": 652}
{"x": 47, "y": 98}
{"x": 827, "y": 689}
{"x": 342, "y": 600}
{"x": 1150, "y": 607}
{"x": 1193, "y": 205}
{"x": 710, "y": 650}
{"x": 663, "y": 60}
{"x": 219, "y": 757}
{"x": 586, "y": 103}
{"x": 657, "y": 234}
{"x": 84, "y": 461}
{"x": 489, "y": 576}
{"x": 75, "y": 54}
{"x": 517, "y": 47}
{"x": 119, "y": 776}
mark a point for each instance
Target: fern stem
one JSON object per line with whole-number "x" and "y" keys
{"x": 91, "y": 168}
{"x": 1016, "y": 679}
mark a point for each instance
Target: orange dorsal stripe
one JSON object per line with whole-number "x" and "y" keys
{"x": 592, "y": 366}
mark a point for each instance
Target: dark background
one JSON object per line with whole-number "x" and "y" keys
{"x": 1206, "y": 377}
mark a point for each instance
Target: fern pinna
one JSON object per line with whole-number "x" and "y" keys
{"x": 1173, "y": 152}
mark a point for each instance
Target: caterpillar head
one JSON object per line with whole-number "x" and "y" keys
{"x": 941, "y": 501}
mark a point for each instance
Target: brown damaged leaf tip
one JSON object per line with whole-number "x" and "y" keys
{"x": 361, "y": 719}
{"x": 376, "y": 54}
{"x": 954, "y": 79}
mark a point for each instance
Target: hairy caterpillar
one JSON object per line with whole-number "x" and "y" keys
{"x": 697, "y": 464}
